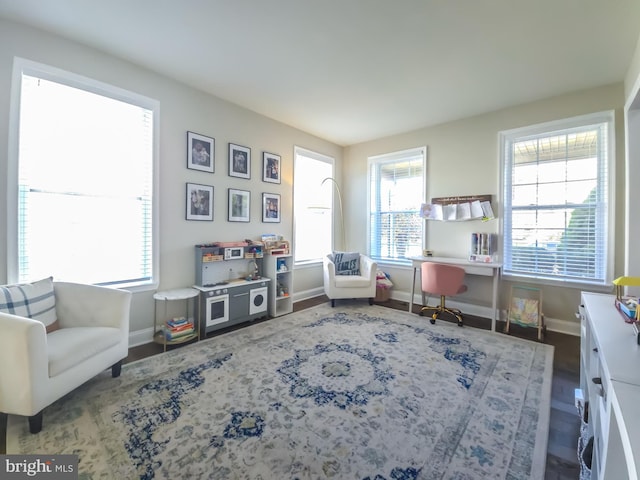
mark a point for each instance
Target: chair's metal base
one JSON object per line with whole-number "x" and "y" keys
{"x": 437, "y": 310}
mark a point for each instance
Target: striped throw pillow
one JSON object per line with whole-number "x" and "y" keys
{"x": 33, "y": 300}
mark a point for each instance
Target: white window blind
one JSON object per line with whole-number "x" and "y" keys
{"x": 312, "y": 206}
{"x": 396, "y": 191}
{"x": 85, "y": 182}
{"x": 556, "y": 201}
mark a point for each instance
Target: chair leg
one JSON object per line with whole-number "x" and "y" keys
{"x": 333, "y": 302}
{"x": 440, "y": 308}
{"x": 35, "y": 422}
{"x": 370, "y": 300}
{"x": 456, "y": 313}
{"x": 115, "y": 369}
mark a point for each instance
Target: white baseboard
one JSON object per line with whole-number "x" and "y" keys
{"x": 307, "y": 294}
{"x": 563, "y": 326}
{"x": 140, "y": 337}
{"x": 566, "y": 327}
{"x": 144, "y": 336}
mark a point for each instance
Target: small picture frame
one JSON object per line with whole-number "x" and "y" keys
{"x": 239, "y": 205}
{"x": 271, "y": 208}
{"x": 270, "y": 167}
{"x": 239, "y": 161}
{"x": 201, "y": 152}
{"x": 199, "y": 202}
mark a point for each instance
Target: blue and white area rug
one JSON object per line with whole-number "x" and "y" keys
{"x": 353, "y": 392}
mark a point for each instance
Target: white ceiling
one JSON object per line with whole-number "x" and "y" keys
{"x": 355, "y": 70}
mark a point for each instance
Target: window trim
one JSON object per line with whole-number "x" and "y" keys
{"x": 321, "y": 157}
{"x": 607, "y": 117}
{"x": 23, "y": 66}
{"x": 389, "y": 158}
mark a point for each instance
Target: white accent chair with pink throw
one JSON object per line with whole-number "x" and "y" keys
{"x": 349, "y": 275}
{"x": 55, "y": 337}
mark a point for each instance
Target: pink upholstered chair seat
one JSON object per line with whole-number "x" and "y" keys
{"x": 443, "y": 280}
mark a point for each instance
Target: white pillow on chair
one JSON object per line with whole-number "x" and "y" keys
{"x": 32, "y": 300}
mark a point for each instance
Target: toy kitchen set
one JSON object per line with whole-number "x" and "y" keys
{"x": 232, "y": 290}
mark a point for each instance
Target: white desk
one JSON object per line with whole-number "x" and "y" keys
{"x": 471, "y": 268}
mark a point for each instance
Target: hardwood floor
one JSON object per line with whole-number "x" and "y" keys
{"x": 564, "y": 425}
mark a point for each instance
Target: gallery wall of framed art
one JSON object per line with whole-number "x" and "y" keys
{"x": 200, "y": 195}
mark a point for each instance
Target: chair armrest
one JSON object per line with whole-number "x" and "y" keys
{"x": 328, "y": 269}
{"x": 80, "y": 305}
{"x": 24, "y": 364}
{"x": 368, "y": 268}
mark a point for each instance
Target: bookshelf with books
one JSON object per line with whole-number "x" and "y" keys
{"x": 279, "y": 267}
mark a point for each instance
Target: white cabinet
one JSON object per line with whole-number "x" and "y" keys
{"x": 279, "y": 268}
{"x": 610, "y": 382}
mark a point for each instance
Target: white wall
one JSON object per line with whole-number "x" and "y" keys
{"x": 182, "y": 109}
{"x": 463, "y": 160}
{"x": 632, "y": 167}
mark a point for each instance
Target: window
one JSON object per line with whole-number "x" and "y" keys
{"x": 396, "y": 192}
{"x": 556, "y": 200}
{"x": 82, "y": 201}
{"x": 312, "y": 206}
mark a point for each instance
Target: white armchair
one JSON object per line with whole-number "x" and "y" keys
{"x": 37, "y": 368}
{"x": 361, "y": 285}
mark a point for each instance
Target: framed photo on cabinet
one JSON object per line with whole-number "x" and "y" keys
{"x": 270, "y": 208}
{"x": 199, "y": 202}
{"x": 270, "y": 167}
{"x": 201, "y": 152}
{"x": 239, "y": 161}
{"x": 239, "y": 205}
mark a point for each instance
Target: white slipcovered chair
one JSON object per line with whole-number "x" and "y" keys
{"x": 89, "y": 333}
{"x": 349, "y": 275}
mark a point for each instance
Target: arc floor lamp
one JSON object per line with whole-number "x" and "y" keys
{"x": 335, "y": 184}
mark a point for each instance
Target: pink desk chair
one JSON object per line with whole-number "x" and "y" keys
{"x": 443, "y": 280}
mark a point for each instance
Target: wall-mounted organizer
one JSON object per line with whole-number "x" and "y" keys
{"x": 459, "y": 208}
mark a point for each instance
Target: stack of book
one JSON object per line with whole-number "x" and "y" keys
{"x": 177, "y": 328}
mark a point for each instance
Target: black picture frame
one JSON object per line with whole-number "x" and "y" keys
{"x": 239, "y": 205}
{"x": 271, "y": 208}
{"x": 270, "y": 167}
{"x": 199, "y": 202}
{"x": 201, "y": 152}
{"x": 239, "y": 161}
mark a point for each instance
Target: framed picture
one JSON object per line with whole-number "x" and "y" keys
{"x": 239, "y": 204}
{"x": 270, "y": 167}
{"x": 270, "y": 208}
{"x": 201, "y": 152}
{"x": 199, "y": 202}
{"x": 239, "y": 161}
